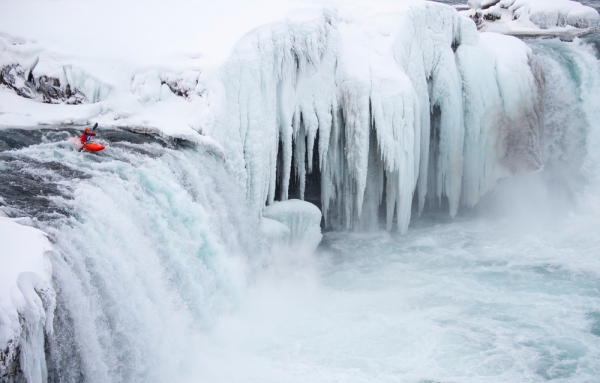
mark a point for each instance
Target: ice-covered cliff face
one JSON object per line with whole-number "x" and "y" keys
{"x": 360, "y": 107}
{"x": 384, "y": 106}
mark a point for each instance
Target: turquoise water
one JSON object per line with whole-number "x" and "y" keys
{"x": 476, "y": 300}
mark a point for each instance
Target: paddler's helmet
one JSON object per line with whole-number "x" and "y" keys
{"x": 86, "y": 129}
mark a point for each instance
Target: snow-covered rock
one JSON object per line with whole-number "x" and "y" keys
{"x": 27, "y": 299}
{"x": 155, "y": 86}
{"x": 534, "y": 17}
{"x": 34, "y": 73}
{"x": 302, "y": 219}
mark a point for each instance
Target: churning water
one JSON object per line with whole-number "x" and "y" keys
{"x": 471, "y": 301}
{"x": 160, "y": 276}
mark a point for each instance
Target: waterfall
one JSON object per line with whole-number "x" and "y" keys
{"x": 155, "y": 240}
{"x": 571, "y": 113}
{"x": 150, "y": 245}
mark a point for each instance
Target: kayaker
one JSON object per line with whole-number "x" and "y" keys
{"x": 85, "y": 137}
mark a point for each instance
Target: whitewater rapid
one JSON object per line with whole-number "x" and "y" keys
{"x": 161, "y": 275}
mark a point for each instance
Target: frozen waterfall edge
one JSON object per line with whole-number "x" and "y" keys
{"x": 27, "y": 301}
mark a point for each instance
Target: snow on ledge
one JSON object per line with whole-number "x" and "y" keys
{"x": 17, "y": 120}
{"x": 27, "y": 299}
{"x": 563, "y": 18}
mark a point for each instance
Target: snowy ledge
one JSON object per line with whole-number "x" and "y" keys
{"x": 27, "y": 300}
{"x": 561, "y": 18}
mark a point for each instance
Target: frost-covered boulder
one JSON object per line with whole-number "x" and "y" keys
{"x": 275, "y": 232}
{"x": 155, "y": 86}
{"x": 534, "y": 17}
{"x": 27, "y": 300}
{"x": 302, "y": 219}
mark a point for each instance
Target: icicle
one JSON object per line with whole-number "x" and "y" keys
{"x": 447, "y": 93}
{"x": 300, "y": 157}
{"x": 286, "y": 108}
{"x": 391, "y": 197}
{"x": 368, "y": 220}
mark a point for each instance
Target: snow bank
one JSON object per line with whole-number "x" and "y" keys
{"x": 302, "y": 219}
{"x": 17, "y": 120}
{"x": 27, "y": 299}
{"x": 534, "y": 17}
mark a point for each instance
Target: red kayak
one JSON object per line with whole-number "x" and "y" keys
{"x": 93, "y": 147}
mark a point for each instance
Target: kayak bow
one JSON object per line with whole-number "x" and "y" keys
{"x": 93, "y": 147}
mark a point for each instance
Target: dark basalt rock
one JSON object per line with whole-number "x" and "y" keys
{"x": 46, "y": 89}
{"x": 52, "y": 92}
{"x": 10, "y": 368}
{"x": 490, "y": 16}
{"x": 11, "y": 75}
{"x": 480, "y": 16}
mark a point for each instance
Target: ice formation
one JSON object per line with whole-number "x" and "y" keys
{"x": 302, "y": 219}
{"x": 384, "y": 108}
{"x": 534, "y": 17}
{"x": 27, "y": 299}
